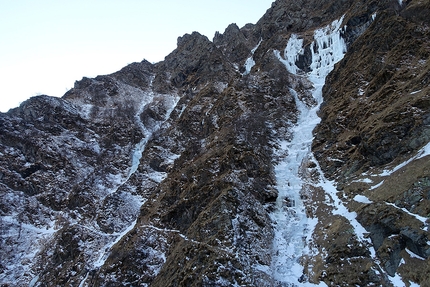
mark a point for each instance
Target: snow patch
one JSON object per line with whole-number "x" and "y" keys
{"x": 397, "y": 280}
{"x": 424, "y": 151}
{"x": 342, "y": 210}
{"x": 362, "y": 199}
{"x": 419, "y": 217}
{"x": 413, "y": 255}
{"x": 376, "y": 186}
{"x": 220, "y": 86}
{"x": 365, "y": 180}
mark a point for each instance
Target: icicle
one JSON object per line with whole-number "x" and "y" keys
{"x": 292, "y": 52}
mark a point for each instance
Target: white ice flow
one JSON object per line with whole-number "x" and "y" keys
{"x": 291, "y": 53}
{"x": 249, "y": 63}
{"x": 292, "y": 227}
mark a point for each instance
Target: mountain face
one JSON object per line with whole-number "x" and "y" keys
{"x": 290, "y": 152}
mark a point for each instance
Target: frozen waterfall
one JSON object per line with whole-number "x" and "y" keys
{"x": 293, "y": 229}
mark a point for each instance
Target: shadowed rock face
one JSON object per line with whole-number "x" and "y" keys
{"x": 164, "y": 174}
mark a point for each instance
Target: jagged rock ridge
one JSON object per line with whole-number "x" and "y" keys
{"x": 168, "y": 174}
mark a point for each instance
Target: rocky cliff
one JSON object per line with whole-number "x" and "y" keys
{"x": 290, "y": 152}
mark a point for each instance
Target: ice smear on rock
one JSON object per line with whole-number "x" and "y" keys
{"x": 250, "y": 61}
{"x": 105, "y": 251}
{"x": 292, "y": 227}
{"x": 170, "y": 102}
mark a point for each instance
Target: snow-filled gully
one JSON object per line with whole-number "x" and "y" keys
{"x": 293, "y": 229}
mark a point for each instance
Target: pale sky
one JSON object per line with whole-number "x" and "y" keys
{"x": 46, "y": 45}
